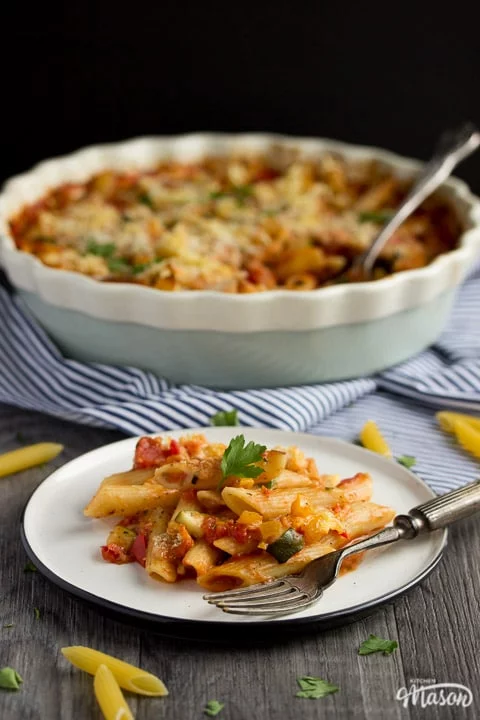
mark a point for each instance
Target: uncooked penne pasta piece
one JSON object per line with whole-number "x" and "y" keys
{"x": 372, "y": 439}
{"x": 129, "y": 499}
{"x": 201, "y": 557}
{"x": 276, "y": 502}
{"x": 360, "y": 518}
{"x": 447, "y": 420}
{"x": 467, "y": 436}
{"x": 27, "y": 457}
{"x": 109, "y": 696}
{"x": 128, "y": 676}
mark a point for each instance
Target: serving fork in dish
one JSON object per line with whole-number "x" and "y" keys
{"x": 296, "y": 592}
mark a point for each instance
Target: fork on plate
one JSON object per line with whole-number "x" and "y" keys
{"x": 296, "y": 592}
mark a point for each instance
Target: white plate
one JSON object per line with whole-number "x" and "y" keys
{"x": 65, "y": 545}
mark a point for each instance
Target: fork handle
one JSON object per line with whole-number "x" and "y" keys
{"x": 441, "y": 511}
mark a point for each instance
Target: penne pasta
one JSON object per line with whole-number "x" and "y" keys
{"x": 202, "y": 557}
{"x": 129, "y": 499}
{"x": 27, "y": 457}
{"x": 361, "y": 518}
{"x": 277, "y": 502}
{"x": 466, "y": 433}
{"x": 232, "y": 515}
{"x": 109, "y": 696}
{"x": 127, "y": 676}
{"x": 372, "y": 439}
{"x": 447, "y": 420}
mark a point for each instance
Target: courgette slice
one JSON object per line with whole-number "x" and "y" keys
{"x": 287, "y": 545}
{"x": 193, "y": 521}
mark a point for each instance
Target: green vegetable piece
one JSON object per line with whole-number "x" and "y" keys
{"x": 213, "y": 707}
{"x": 145, "y": 199}
{"x": 407, "y": 461}
{"x": 380, "y": 216}
{"x": 136, "y": 269}
{"x": 314, "y": 687}
{"x": 375, "y": 644}
{"x": 29, "y": 567}
{"x": 287, "y": 545}
{"x": 225, "y": 417}
{"x": 238, "y": 459}
{"x": 104, "y": 250}
{"x": 10, "y": 679}
{"x": 117, "y": 265}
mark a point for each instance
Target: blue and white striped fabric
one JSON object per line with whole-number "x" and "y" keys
{"x": 35, "y": 376}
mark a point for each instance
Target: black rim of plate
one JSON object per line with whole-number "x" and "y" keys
{"x": 325, "y": 619}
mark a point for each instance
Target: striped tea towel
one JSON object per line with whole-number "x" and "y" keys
{"x": 35, "y": 376}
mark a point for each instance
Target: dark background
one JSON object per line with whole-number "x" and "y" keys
{"x": 393, "y": 76}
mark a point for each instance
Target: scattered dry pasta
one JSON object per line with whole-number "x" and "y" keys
{"x": 372, "y": 439}
{"x": 230, "y": 527}
{"x": 466, "y": 429}
{"x": 27, "y": 457}
{"x": 128, "y": 676}
{"x": 109, "y": 696}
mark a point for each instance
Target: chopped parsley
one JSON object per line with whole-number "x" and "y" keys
{"x": 270, "y": 484}
{"x": 37, "y": 613}
{"x": 375, "y": 644}
{"x": 10, "y": 679}
{"x": 29, "y": 567}
{"x": 238, "y": 459}
{"x": 105, "y": 250}
{"x": 213, "y": 707}
{"x": 146, "y": 199}
{"x": 379, "y": 216}
{"x": 117, "y": 265}
{"x": 314, "y": 687}
{"x": 239, "y": 192}
{"x": 225, "y": 417}
{"x": 136, "y": 269}
{"x": 407, "y": 461}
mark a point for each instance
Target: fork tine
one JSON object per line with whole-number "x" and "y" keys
{"x": 281, "y": 609}
{"x": 276, "y": 599}
{"x": 252, "y": 597}
{"x": 250, "y": 589}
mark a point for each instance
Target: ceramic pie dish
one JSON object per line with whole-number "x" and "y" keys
{"x": 225, "y": 340}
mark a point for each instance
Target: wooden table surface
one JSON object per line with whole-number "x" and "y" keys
{"x": 436, "y": 625}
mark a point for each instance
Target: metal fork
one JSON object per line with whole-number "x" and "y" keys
{"x": 296, "y": 592}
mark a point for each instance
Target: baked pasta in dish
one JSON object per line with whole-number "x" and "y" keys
{"x": 234, "y": 224}
{"x": 229, "y": 516}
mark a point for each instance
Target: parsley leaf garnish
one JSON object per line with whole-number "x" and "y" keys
{"x": 104, "y": 250}
{"x": 10, "y": 679}
{"x": 29, "y": 567}
{"x": 225, "y": 417}
{"x": 314, "y": 687}
{"x": 407, "y": 461}
{"x": 375, "y": 644}
{"x": 37, "y": 613}
{"x": 136, "y": 269}
{"x": 117, "y": 265}
{"x": 239, "y": 192}
{"x": 238, "y": 459}
{"x": 213, "y": 707}
{"x": 379, "y": 216}
{"x": 145, "y": 199}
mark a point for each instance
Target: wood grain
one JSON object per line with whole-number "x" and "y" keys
{"x": 435, "y": 625}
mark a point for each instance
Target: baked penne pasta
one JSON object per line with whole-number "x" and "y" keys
{"x": 109, "y": 696}
{"x": 230, "y": 516}
{"x": 127, "y": 676}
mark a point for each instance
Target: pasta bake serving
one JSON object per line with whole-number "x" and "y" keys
{"x": 238, "y": 224}
{"x": 229, "y": 516}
